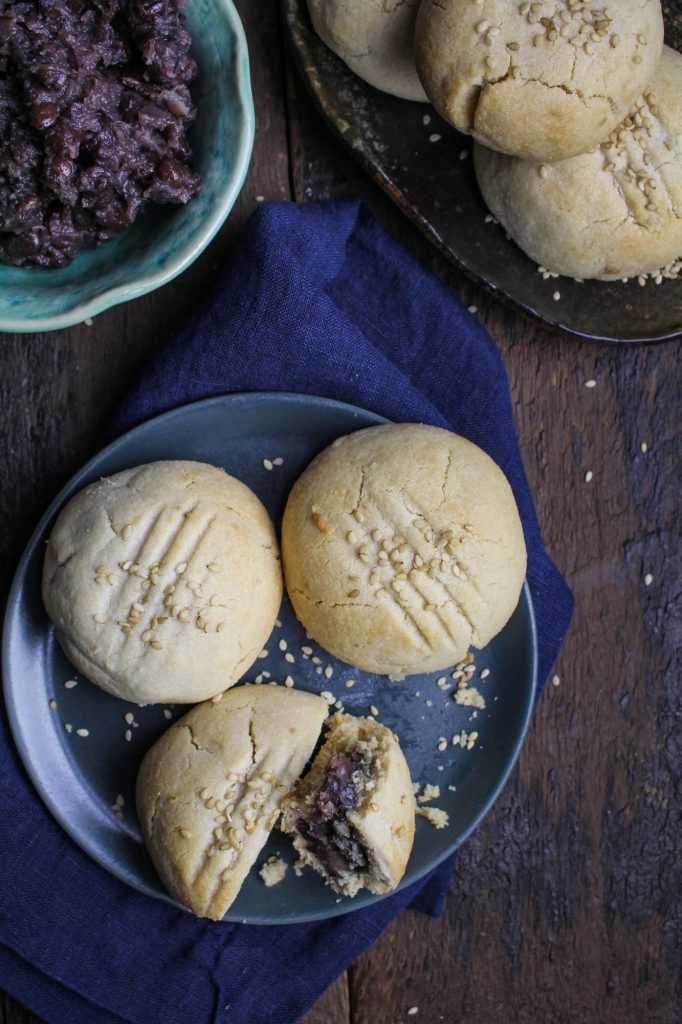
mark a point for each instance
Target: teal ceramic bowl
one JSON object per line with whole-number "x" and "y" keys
{"x": 165, "y": 240}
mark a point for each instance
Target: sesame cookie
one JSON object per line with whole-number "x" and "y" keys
{"x": 402, "y": 546}
{"x": 209, "y": 791}
{"x": 612, "y": 213}
{"x": 540, "y": 80}
{"x": 352, "y": 816}
{"x": 163, "y": 581}
{"x": 375, "y": 39}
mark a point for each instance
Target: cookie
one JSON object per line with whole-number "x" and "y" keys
{"x": 539, "y": 80}
{"x": 209, "y": 791}
{"x": 609, "y": 214}
{"x": 163, "y": 581}
{"x": 375, "y": 39}
{"x": 352, "y": 816}
{"x": 402, "y": 546}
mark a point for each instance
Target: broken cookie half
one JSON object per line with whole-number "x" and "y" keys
{"x": 210, "y": 789}
{"x": 352, "y": 817}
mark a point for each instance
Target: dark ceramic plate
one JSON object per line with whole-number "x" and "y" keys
{"x": 425, "y": 166}
{"x": 82, "y": 777}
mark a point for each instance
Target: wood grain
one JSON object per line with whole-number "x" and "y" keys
{"x": 565, "y": 905}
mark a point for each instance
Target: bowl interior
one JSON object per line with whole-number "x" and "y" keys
{"x": 164, "y": 240}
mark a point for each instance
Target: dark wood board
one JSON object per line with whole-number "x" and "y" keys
{"x": 565, "y": 907}
{"x": 426, "y": 168}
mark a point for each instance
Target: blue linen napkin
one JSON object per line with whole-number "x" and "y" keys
{"x": 319, "y": 299}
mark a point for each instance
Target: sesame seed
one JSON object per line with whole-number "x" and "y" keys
{"x": 590, "y": 383}
{"x": 267, "y": 463}
{"x": 648, "y": 580}
{"x": 484, "y": 673}
{"x": 588, "y": 476}
{"x": 185, "y": 833}
{"x": 426, "y": 120}
{"x": 288, "y": 681}
{"x": 328, "y": 672}
{"x": 70, "y": 683}
{"x": 167, "y": 714}
{"x": 555, "y": 680}
{"x": 464, "y": 154}
{"x": 263, "y": 653}
{"x": 307, "y": 651}
{"x": 128, "y": 735}
{"x": 350, "y": 683}
{"x": 435, "y": 137}
{"x": 373, "y": 709}
{"x": 644, "y": 447}
{"x": 53, "y": 703}
{"x": 82, "y": 732}
{"x": 442, "y": 744}
{"x": 288, "y": 657}
{"x": 412, "y": 1011}
{"x": 556, "y": 296}
{"x": 279, "y": 461}
{"x": 282, "y": 645}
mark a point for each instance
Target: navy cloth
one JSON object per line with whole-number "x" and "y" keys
{"x": 319, "y": 299}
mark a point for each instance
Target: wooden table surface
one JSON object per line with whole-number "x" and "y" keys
{"x": 565, "y": 905}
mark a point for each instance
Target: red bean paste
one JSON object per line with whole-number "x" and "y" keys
{"x": 328, "y": 833}
{"x": 94, "y": 108}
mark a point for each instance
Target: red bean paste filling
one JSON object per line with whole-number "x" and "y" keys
{"x": 94, "y": 107}
{"x": 326, "y": 830}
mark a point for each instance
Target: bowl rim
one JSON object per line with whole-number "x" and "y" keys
{"x": 148, "y": 282}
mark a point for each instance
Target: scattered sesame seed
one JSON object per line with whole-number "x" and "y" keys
{"x": 328, "y": 672}
{"x": 350, "y": 683}
{"x": 289, "y": 658}
{"x": 129, "y": 717}
{"x": 53, "y": 703}
{"x": 426, "y": 119}
{"x": 556, "y": 296}
{"x": 644, "y": 447}
{"x": 70, "y": 683}
{"x": 82, "y": 732}
{"x": 128, "y": 735}
{"x": 373, "y": 709}
{"x": 88, "y": 322}
{"x": 185, "y": 833}
{"x": 442, "y": 743}
{"x": 588, "y": 476}
{"x": 328, "y": 696}
{"x": 167, "y": 714}
{"x": 590, "y": 383}
{"x": 471, "y": 309}
{"x": 260, "y": 199}
{"x": 464, "y": 154}
{"x": 435, "y": 137}
{"x": 282, "y": 645}
{"x": 267, "y": 463}
{"x": 263, "y": 653}
{"x": 68, "y": 726}
{"x": 484, "y": 673}
{"x": 555, "y": 680}
{"x": 307, "y": 651}
{"x": 412, "y": 1011}
{"x": 288, "y": 681}
{"x": 648, "y": 580}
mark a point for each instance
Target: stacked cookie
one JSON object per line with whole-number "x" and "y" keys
{"x": 402, "y": 547}
{"x": 576, "y": 109}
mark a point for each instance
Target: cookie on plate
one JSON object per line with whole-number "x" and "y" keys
{"x": 352, "y": 815}
{"x": 543, "y": 80}
{"x": 609, "y": 214}
{"x": 402, "y": 546}
{"x": 375, "y": 39}
{"x": 209, "y": 791}
{"x": 163, "y": 581}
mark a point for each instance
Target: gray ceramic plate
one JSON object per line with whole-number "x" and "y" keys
{"x": 417, "y": 159}
{"x": 81, "y": 777}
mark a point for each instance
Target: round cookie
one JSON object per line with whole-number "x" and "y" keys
{"x": 375, "y": 39}
{"x": 402, "y": 546}
{"x": 609, "y": 214}
{"x": 163, "y": 581}
{"x": 540, "y": 80}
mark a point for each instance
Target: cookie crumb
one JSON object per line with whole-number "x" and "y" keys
{"x": 469, "y": 697}
{"x": 435, "y": 816}
{"x": 429, "y": 793}
{"x": 273, "y": 871}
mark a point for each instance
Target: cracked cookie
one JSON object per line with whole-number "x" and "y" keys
{"x": 540, "y": 80}
{"x": 352, "y": 817}
{"x": 210, "y": 790}
{"x": 163, "y": 581}
{"x": 402, "y": 546}
{"x": 609, "y": 214}
{"x": 375, "y": 39}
